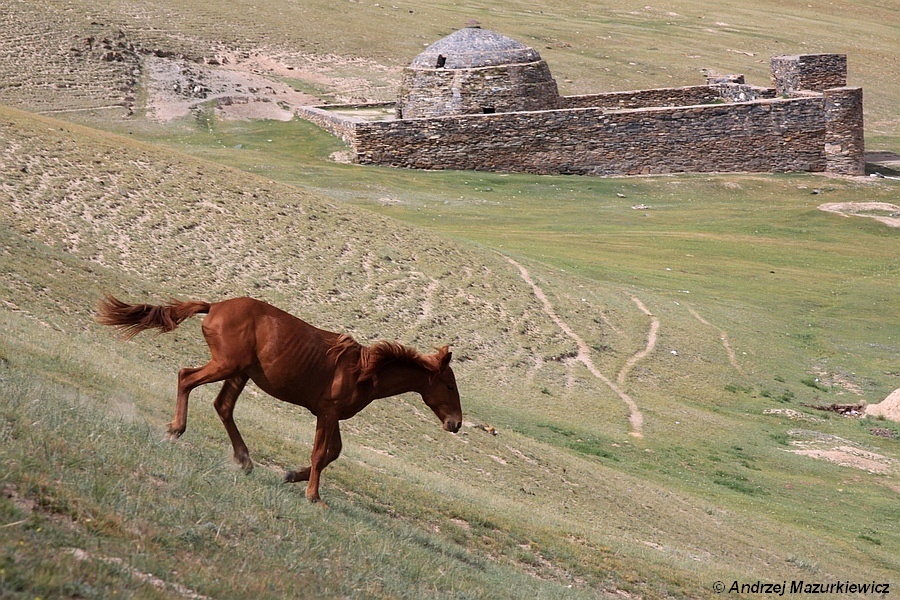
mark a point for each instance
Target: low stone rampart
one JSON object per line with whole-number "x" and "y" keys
{"x": 327, "y": 119}
{"x": 680, "y": 96}
{"x": 769, "y": 135}
{"x": 807, "y": 122}
{"x": 670, "y": 97}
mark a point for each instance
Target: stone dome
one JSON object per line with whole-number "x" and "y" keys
{"x": 476, "y": 71}
{"x": 473, "y": 47}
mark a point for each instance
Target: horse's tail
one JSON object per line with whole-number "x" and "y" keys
{"x": 131, "y": 319}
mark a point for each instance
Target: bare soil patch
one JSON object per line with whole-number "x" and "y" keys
{"x": 111, "y": 67}
{"x": 249, "y": 85}
{"x": 883, "y": 212}
{"x": 850, "y": 456}
{"x": 840, "y": 451}
{"x": 889, "y": 408}
{"x": 175, "y": 87}
{"x": 791, "y": 414}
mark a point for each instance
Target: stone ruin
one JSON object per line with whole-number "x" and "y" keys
{"x": 476, "y": 71}
{"x": 478, "y": 100}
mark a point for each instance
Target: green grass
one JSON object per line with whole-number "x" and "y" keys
{"x": 562, "y": 496}
{"x": 63, "y": 522}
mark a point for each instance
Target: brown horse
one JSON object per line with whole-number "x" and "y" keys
{"x": 330, "y": 374}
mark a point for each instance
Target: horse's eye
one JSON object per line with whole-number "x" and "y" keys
{"x": 450, "y": 387}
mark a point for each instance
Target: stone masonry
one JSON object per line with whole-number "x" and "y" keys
{"x": 808, "y": 121}
{"x": 809, "y": 72}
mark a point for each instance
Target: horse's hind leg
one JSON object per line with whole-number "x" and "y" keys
{"x": 188, "y": 379}
{"x": 224, "y": 405}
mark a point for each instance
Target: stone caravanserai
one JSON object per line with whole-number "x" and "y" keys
{"x": 478, "y": 100}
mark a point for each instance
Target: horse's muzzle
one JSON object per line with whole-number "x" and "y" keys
{"x": 452, "y": 425}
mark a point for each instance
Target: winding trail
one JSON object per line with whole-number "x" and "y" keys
{"x": 651, "y": 342}
{"x": 866, "y": 209}
{"x": 635, "y": 418}
{"x": 427, "y": 305}
{"x": 723, "y": 337}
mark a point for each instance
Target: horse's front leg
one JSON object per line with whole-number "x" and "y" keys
{"x": 326, "y": 448}
{"x": 334, "y": 450}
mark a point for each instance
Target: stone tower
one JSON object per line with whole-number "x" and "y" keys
{"x": 827, "y": 74}
{"x": 476, "y": 71}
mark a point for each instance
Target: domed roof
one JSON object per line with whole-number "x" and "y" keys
{"x": 474, "y": 47}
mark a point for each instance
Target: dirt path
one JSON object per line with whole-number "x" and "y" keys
{"x": 635, "y": 418}
{"x": 723, "y": 337}
{"x": 176, "y": 87}
{"x": 427, "y": 302}
{"x": 169, "y": 588}
{"x": 884, "y": 212}
{"x": 651, "y": 342}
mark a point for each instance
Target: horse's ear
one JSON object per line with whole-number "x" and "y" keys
{"x": 444, "y": 355}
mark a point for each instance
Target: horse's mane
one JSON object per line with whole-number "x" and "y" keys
{"x": 374, "y": 357}
{"x": 344, "y": 344}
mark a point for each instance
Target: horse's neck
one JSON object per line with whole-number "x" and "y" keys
{"x": 394, "y": 379}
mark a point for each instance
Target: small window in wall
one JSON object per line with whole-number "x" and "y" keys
{"x": 441, "y": 61}
{"x": 488, "y": 110}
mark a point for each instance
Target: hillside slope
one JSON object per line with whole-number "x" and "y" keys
{"x": 564, "y": 496}
{"x": 642, "y": 362}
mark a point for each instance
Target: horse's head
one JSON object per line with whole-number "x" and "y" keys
{"x": 441, "y": 395}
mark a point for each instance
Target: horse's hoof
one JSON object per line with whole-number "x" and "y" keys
{"x": 243, "y": 459}
{"x": 296, "y": 476}
{"x": 174, "y": 432}
{"x": 317, "y": 501}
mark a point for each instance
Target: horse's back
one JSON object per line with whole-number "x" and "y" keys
{"x": 282, "y": 352}
{"x": 237, "y": 312}
{"x": 264, "y": 321}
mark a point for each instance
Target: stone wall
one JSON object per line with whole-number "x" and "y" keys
{"x": 504, "y": 88}
{"x": 763, "y": 136}
{"x": 809, "y": 72}
{"x": 680, "y": 96}
{"x": 844, "y": 144}
{"x": 808, "y": 122}
{"x": 337, "y": 125}
{"x": 714, "y": 93}
{"x": 740, "y": 92}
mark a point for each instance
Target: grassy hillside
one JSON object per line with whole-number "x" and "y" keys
{"x": 721, "y": 308}
{"x": 563, "y": 496}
